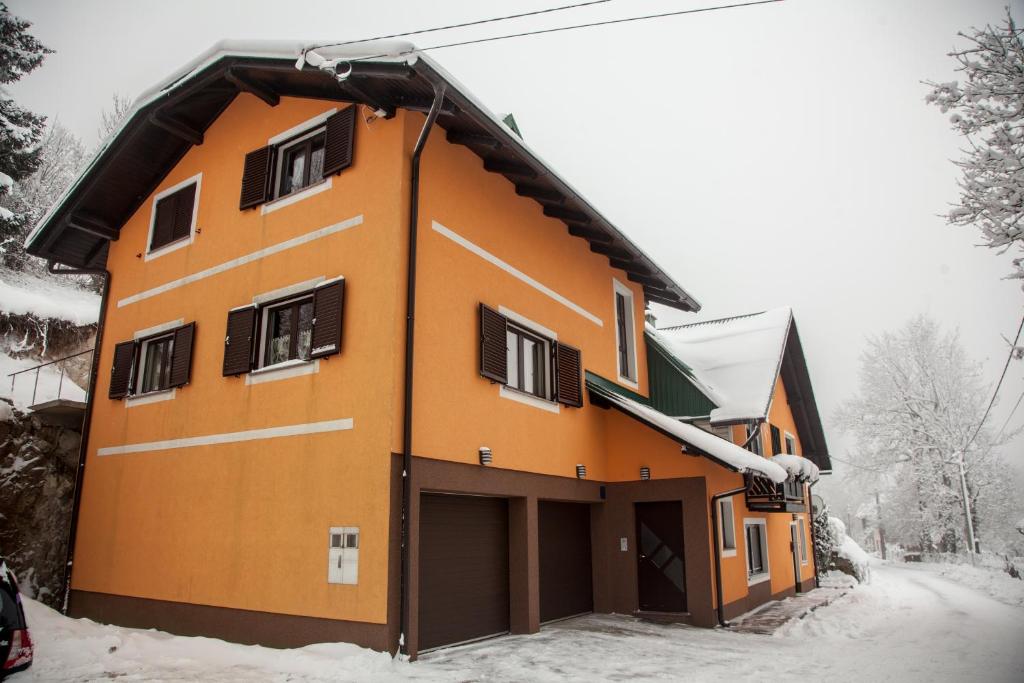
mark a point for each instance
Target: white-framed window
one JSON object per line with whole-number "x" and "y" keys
{"x": 755, "y": 534}
{"x": 727, "y": 527}
{"x": 529, "y": 361}
{"x": 802, "y": 535}
{"x": 300, "y": 162}
{"x": 155, "y": 356}
{"x": 625, "y": 333}
{"x": 286, "y": 330}
{"x": 790, "y": 443}
{"x": 754, "y": 444}
{"x": 172, "y": 221}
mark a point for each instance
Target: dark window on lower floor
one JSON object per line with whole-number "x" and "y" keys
{"x": 755, "y": 549}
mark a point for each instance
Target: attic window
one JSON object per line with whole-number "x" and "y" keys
{"x": 173, "y": 220}
{"x": 625, "y": 335}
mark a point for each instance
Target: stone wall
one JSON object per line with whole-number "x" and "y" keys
{"x": 37, "y": 480}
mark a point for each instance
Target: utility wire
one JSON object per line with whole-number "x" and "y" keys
{"x": 464, "y": 24}
{"x": 601, "y": 23}
{"x": 877, "y": 470}
{"x": 577, "y": 26}
{"x": 1010, "y": 416}
{"x": 999, "y": 384}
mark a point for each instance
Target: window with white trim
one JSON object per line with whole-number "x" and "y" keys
{"x": 727, "y": 526}
{"x": 529, "y": 361}
{"x": 790, "y": 444}
{"x": 173, "y": 216}
{"x": 155, "y": 356}
{"x": 754, "y": 439}
{"x": 756, "y": 538}
{"x": 300, "y": 162}
{"x": 625, "y": 333}
{"x": 803, "y": 541}
{"x": 287, "y": 330}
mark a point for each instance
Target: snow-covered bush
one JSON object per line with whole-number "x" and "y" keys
{"x": 847, "y": 556}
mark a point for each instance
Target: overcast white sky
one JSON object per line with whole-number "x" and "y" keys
{"x": 773, "y": 155}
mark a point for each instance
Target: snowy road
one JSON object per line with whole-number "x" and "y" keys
{"x": 909, "y": 624}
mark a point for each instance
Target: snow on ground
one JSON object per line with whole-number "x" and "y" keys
{"x": 24, "y": 384}
{"x": 47, "y": 297}
{"x": 996, "y": 584}
{"x": 909, "y": 624}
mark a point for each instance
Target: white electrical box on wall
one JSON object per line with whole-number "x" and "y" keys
{"x": 343, "y": 555}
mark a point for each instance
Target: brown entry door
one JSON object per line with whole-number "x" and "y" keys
{"x": 661, "y": 574}
{"x": 463, "y": 592}
{"x": 566, "y": 585}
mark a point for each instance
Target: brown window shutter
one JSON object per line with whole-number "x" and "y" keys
{"x": 121, "y": 372}
{"x": 493, "y": 345}
{"x": 185, "y": 201}
{"x": 181, "y": 356}
{"x": 163, "y": 223}
{"x": 328, "y": 306}
{"x": 568, "y": 369}
{"x": 256, "y": 177}
{"x": 238, "y": 341}
{"x": 341, "y": 128}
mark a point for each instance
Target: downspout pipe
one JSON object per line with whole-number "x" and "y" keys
{"x": 814, "y": 538}
{"x": 410, "y": 329}
{"x": 716, "y": 550}
{"x": 83, "y": 447}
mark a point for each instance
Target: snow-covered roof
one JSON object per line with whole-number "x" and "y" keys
{"x": 735, "y": 361}
{"x": 723, "y": 452}
{"x": 23, "y": 294}
{"x": 798, "y": 467}
{"x": 79, "y": 249}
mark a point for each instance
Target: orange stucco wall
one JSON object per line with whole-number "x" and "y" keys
{"x": 456, "y": 410}
{"x": 228, "y": 525}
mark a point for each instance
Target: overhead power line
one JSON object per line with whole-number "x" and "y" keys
{"x": 999, "y": 384}
{"x": 1010, "y": 416}
{"x": 465, "y": 24}
{"x": 573, "y": 27}
{"x": 608, "y": 22}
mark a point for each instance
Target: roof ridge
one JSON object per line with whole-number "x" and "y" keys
{"x": 712, "y": 322}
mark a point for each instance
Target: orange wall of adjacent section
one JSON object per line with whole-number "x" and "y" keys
{"x": 228, "y": 525}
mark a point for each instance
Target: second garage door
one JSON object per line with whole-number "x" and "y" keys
{"x": 463, "y": 593}
{"x": 566, "y": 584}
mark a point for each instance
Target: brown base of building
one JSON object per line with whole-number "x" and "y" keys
{"x": 236, "y": 625}
{"x": 760, "y": 593}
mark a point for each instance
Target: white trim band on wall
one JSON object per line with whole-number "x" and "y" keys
{"x": 231, "y": 437}
{"x": 515, "y": 272}
{"x": 241, "y": 260}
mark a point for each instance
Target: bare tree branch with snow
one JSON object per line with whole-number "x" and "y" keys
{"x": 987, "y": 108}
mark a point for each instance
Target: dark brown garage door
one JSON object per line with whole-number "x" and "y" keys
{"x": 463, "y": 569}
{"x": 566, "y": 586}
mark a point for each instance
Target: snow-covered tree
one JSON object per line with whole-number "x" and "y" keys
{"x": 60, "y": 157}
{"x": 918, "y": 408}
{"x": 20, "y": 129}
{"x": 987, "y": 107}
{"x": 112, "y": 117}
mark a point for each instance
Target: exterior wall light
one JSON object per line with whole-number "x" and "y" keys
{"x": 645, "y": 473}
{"x": 581, "y": 471}
{"x": 485, "y": 455}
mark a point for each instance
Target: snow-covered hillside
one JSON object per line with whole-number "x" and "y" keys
{"x": 47, "y": 297}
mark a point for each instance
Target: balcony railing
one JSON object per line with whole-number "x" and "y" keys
{"x": 765, "y": 495}
{"x": 65, "y": 389}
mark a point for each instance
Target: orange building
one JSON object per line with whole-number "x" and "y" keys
{"x": 370, "y": 370}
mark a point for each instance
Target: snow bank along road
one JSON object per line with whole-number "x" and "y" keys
{"x": 908, "y": 625}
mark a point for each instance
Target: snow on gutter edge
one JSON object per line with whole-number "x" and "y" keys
{"x": 724, "y": 452}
